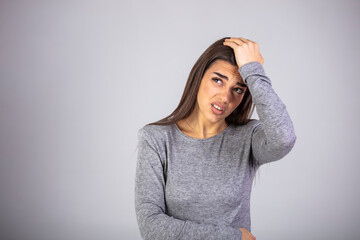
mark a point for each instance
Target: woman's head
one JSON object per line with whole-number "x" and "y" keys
{"x": 220, "y": 59}
{"x": 220, "y": 93}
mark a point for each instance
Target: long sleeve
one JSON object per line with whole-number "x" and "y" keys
{"x": 150, "y": 204}
{"x": 274, "y": 136}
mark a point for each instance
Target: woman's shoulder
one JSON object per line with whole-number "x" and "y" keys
{"x": 244, "y": 131}
{"x": 156, "y": 132}
{"x": 251, "y": 124}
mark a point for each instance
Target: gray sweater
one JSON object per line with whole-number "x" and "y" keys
{"x": 188, "y": 188}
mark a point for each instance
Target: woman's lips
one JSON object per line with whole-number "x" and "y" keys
{"x": 219, "y": 105}
{"x": 215, "y": 110}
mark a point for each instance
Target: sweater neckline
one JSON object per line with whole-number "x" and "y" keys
{"x": 200, "y": 139}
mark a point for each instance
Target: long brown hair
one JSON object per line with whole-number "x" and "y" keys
{"x": 217, "y": 51}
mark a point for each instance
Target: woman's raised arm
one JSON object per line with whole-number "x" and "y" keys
{"x": 274, "y": 136}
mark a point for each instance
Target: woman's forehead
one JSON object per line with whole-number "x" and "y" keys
{"x": 225, "y": 68}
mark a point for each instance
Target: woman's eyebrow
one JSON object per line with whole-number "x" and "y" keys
{"x": 227, "y": 79}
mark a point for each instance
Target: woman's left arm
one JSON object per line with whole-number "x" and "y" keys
{"x": 274, "y": 135}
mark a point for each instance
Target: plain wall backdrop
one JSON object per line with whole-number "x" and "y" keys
{"x": 78, "y": 79}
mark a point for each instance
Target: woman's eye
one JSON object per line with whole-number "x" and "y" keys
{"x": 239, "y": 90}
{"x": 217, "y": 80}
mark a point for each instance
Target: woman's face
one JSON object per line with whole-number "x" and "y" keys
{"x": 221, "y": 91}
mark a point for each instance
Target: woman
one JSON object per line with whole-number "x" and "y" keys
{"x": 195, "y": 167}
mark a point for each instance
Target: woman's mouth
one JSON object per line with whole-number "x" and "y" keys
{"x": 217, "y": 109}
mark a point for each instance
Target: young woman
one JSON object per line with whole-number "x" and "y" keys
{"x": 195, "y": 167}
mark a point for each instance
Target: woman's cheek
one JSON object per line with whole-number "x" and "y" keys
{"x": 211, "y": 90}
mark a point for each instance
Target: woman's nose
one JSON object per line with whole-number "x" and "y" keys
{"x": 226, "y": 96}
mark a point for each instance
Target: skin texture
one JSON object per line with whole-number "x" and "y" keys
{"x": 203, "y": 122}
{"x": 246, "y": 235}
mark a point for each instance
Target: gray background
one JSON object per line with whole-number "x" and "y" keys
{"x": 79, "y": 78}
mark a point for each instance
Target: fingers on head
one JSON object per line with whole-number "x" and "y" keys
{"x": 230, "y": 44}
{"x": 247, "y": 42}
{"x": 241, "y": 41}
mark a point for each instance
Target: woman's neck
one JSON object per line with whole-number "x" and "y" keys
{"x": 200, "y": 127}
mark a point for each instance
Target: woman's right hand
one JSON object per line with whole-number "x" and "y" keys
{"x": 246, "y": 235}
